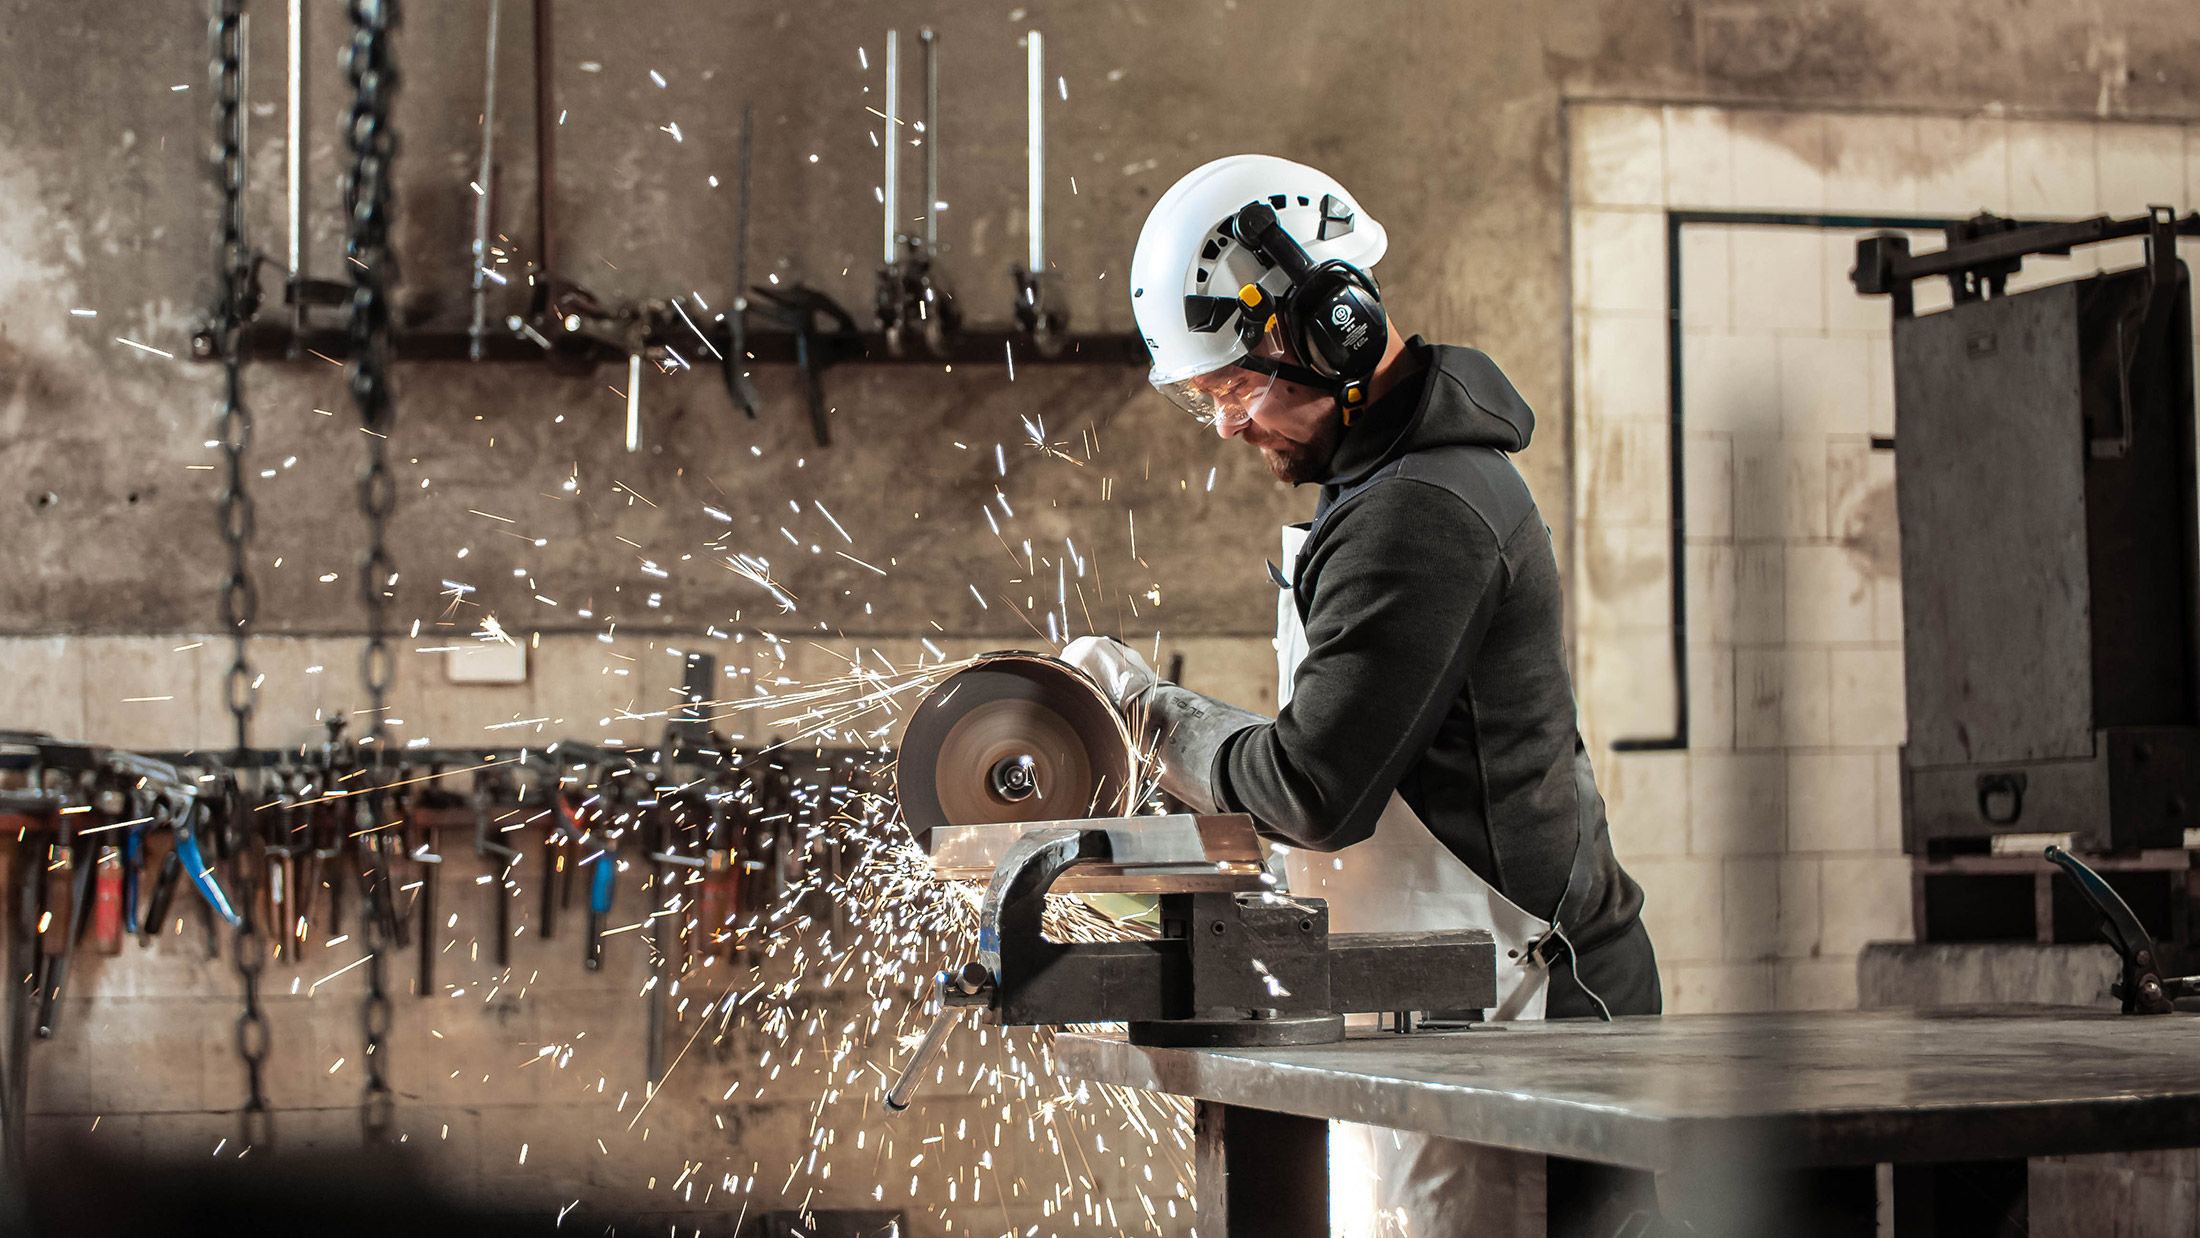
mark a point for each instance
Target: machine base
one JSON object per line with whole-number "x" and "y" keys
{"x": 1313, "y": 1029}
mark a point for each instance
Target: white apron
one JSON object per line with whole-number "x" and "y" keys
{"x": 1385, "y": 1182}
{"x": 1402, "y": 879}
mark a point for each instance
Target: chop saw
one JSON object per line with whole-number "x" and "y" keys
{"x": 1018, "y": 772}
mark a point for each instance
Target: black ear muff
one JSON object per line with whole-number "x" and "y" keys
{"x": 1336, "y": 319}
{"x": 1332, "y": 312}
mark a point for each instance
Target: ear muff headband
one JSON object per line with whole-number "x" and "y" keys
{"x": 1332, "y": 312}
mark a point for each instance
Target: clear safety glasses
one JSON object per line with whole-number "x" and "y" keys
{"x": 1227, "y": 396}
{"x": 1224, "y": 398}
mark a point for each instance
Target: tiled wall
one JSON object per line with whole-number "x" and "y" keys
{"x": 1770, "y": 848}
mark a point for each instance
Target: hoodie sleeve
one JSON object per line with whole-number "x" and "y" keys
{"x": 1404, "y": 585}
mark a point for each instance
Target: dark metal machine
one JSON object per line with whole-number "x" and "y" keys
{"x": 2045, "y": 453}
{"x": 989, "y": 759}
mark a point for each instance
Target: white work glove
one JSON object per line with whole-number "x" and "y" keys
{"x": 1115, "y": 666}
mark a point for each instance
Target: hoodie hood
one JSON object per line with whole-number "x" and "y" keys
{"x": 1458, "y": 398}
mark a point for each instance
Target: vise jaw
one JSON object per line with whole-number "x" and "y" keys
{"x": 1236, "y": 963}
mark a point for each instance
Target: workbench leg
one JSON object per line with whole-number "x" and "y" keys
{"x": 1260, "y": 1173}
{"x": 1962, "y": 1199}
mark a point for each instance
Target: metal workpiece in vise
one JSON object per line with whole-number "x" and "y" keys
{"x": 2142, "y": 986}
{"x": 995, "y": 747}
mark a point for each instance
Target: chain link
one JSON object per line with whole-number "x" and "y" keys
{"x": 237, "y": 302}
{"x": 370, "y": 65}
{"x": 256, "y": 1122}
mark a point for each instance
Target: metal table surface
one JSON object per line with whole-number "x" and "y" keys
{"x": 1682, "y": 1093}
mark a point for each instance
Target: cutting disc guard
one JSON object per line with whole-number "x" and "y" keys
{"x": 1013, "y": 737}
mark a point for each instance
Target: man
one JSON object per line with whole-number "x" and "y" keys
{"x": 1427, "y": 730}
{"x": 1426, "y": 726}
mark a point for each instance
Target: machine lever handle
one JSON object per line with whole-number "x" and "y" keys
{"x": 972, "y": 986}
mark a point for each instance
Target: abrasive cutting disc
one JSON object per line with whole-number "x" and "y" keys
{"x": 1012, "y": 737}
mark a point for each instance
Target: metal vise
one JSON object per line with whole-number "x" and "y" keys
{"x": 1236, "y": 963}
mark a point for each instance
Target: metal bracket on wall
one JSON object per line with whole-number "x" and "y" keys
{"x": 1982, "y": 252}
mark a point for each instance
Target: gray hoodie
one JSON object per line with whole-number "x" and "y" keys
{"x": 1435, "y": 665}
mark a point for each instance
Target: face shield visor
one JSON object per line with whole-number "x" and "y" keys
{"x": 1227, "y": 396}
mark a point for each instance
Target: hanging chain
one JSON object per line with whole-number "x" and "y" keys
{"x": 370, "y": 65}
{"x": 240, "y": 600}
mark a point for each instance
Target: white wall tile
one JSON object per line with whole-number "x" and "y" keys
{"x": 1737, "y": 803}
{"x": 1781, "y": 699}
{"x": 2053, "y": 169}
{"x": 1730, "y": 383}
{"x": 1619, "y": 260}
{"x": 1777, "y": 275}
{"x": 1832, "y": 802}
{"x": 1824, "y": 384}
{"x": 1682, "y": 905}
{"x": 1965, "y": 166}
{"x": 1760, "y": 593}
{"x": 1803, "y": 460}
{"x": 143, "y": 691}
{"x": 1618, "y": 154}
{"x": 1798, "y": 928}
{"x": 1868, "y": 697}
{"x": 1829, "y": 599}
{"x": 2192, "y": 165}
{"x": 1625, "y": 581}
{"x": 1706, "y": 277}
{"x": 1779, "y": 159}
{"x": 1711, "y": 594}
{"x": 2141, "y": 166}
{"x": 1864, "y": 899}
{"x": 1699, "y": 158}
{"x": 1626, "y": 472}
{"x": 1871, "y": 163}
{"x": 45, "y": 679}
{"x": 1879, "y": 372}
{"x": 1646, "y": 798}
{"x": 1625, "y": 683}
{"x": 1620, "y": 361}
{"x": 1710, "y": 698}
{"x": 1761, "y": 485}
{"x": 1860, "y": 500}
{"x": 1751, "y": 924}
{"x": 1708, "y": 498}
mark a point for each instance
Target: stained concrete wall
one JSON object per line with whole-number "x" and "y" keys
{"x": 1446, "y": 118}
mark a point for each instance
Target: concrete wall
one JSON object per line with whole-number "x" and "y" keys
{"x": 1450, "y": 120}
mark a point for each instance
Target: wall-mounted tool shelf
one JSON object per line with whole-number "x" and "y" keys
{"x": 271, "y": 342}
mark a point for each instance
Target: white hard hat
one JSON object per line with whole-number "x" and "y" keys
{"x": 1186, "y": 251}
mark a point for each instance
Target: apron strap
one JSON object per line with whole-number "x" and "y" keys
{"x": 1580, "y": 877}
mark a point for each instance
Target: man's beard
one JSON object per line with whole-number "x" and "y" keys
{"x": 1294, "y": 463}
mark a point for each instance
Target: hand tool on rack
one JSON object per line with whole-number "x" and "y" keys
{"x": 490, "y": 787}
{"x": 2142, "y": 986}
{"x": 485, "y": 178}
{"x": 665, "y": 860}
{"x": 285, "y": 842}
{"x": 432, "y": 808}
{"x": 997, "y": 747}
{"x": 911, "y": 297}
{"x": 720, "y": 903}
{"x": 735, "y": 359}
{"x": 1044, "y": 325}
{"x": 824, "y": 336}
{"x": 110, "y": 805}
